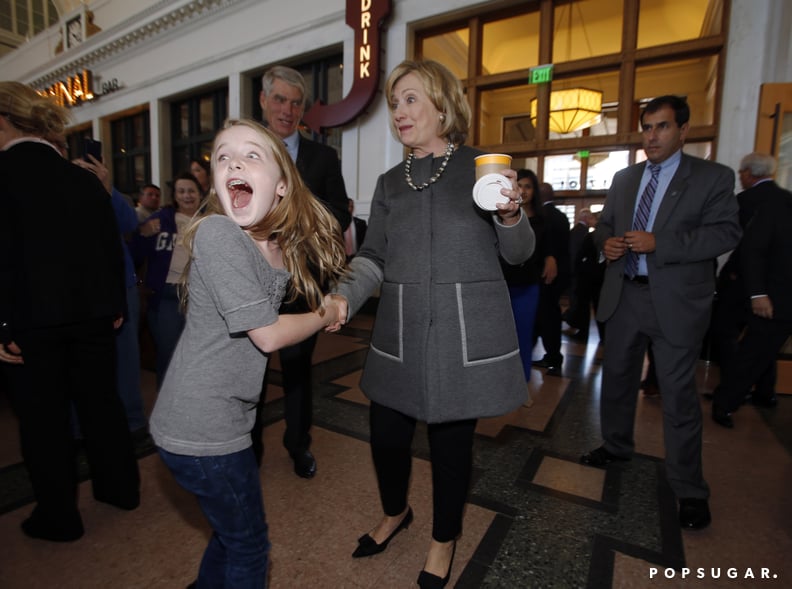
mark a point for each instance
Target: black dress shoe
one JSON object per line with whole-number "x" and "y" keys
{"x": 368, "y": 547}
{"x": 600, "y": 457}
{"x": 304, "y": 464}
{"x": 35, "y": 527}
{"x": 553, "y": 371}
{"x": 430, "y": 581}
{"x": 543, "y": 363}
{"x": 694, "y": 514}
{"x": 721, "y": 417}
{"x": 768, "y": 401}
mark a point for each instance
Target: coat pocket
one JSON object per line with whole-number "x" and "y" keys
{"x": 486, "y": 322}
{"x": 387, "y": 339}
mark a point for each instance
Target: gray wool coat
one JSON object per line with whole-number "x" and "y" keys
{"x": 444, "y": 346}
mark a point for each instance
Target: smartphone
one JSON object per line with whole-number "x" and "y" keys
{"x": 92, "y": 147}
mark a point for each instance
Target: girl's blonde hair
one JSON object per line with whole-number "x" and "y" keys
{"x": 32, "y": 113}
{"x": 307, "y": 233}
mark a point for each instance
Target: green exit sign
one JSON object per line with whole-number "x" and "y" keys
{"x": 583, "y": 154}
{"x": 541, "y": 74}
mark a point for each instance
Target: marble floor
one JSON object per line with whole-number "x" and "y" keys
{"x": 536, "y": 518}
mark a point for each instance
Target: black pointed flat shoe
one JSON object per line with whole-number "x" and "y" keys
{"x": 430, "y": 581}
{"x": 368, "y": 547}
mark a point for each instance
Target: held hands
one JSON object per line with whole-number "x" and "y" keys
{"x": 641, "y": 242}
{"x": 509, "y": 212}
{"x": 336, "y": 309}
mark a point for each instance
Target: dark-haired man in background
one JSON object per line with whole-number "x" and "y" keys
{"x": 663, "y": 224}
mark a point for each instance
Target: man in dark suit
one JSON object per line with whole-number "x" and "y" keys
{"x": 283, "y": 97}
{"x": 732, "y": 307}
{"x": 355, "y": 233}
{"x": 765, "y": 268}
{"x": 555, "y": 279}
{"x": 663, "y": 224}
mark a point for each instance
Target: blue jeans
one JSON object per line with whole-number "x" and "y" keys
{"x": 229, "y": 493}
{"x": 524, "y": 301}
{"x": 128, "y": 363}
{"x": 166, "y": 323}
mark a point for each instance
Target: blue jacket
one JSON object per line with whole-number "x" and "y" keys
{"x": 156, "y": 251}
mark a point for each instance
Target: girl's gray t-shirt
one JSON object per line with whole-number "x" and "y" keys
{"x": 207, "y": 403}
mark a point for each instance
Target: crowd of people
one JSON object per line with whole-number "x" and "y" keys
{"x": 259, "y": 251}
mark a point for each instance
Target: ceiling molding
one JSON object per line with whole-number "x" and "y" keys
{"x": 143, "y": 27}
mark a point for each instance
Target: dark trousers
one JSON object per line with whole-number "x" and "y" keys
{"x": 297, "y": 399}
{"x": 548, "y": 322}
{"x": 451, "y": 453}
{"x": 628, "y": 333}
{"x": 64, "y": 365}
{"x": 756, "y": 356}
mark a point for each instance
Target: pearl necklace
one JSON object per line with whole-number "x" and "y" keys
{"x": 408, "y": 164}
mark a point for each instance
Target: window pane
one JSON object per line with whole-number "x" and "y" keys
{"x": 584, "y": 105}
{"x": 139, "y": 124}
{"x": 528, "y": 163}
{"x": 183, "y": 121}
{"x": 139, "y": 163}
{"x": 696, "y": 79}
{"x": 662, "y": 21}
{"x": 510, "y": 44}
{"x": 602, "y": 167}
{"x": 450, "y": 49}
{"x": 206, "y": 115}
{"x": 784, "y": 172}
{"x": 505, "y": 116}
{"x": 562, "y": 171}
{"x": 587, "y": 28}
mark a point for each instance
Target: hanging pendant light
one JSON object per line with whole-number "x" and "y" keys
{"x": 572, "y": 109}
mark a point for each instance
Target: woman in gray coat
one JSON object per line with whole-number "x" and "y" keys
{"x": 444, "y": 348}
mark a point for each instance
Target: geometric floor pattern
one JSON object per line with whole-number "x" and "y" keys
{"x": 536, "y": 517}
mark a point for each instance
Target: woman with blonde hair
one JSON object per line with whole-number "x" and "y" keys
{"x": 263, "y": 238}
{"x": 62, "y": 297}
{"x": 444, "y": 348}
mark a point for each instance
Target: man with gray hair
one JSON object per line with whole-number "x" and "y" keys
{"x": 739, "y": 301}
{"x": 283, "y": 98}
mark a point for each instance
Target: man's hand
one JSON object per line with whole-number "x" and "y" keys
{"x": 11, "y": 353}
{"x": 614, "y": 248}
{"x": 550, "y": 271}
{"x": 641, "y": 242}
{"x": 762, "y": 306}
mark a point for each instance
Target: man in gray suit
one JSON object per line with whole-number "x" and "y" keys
{"x": 663, "y": 225}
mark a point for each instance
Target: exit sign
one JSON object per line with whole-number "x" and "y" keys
{"x": 541, "y": 74}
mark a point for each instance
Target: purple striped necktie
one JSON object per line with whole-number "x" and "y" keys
{"x": 642, "y": 218}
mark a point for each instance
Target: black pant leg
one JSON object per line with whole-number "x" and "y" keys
{"x": 108, "y": 444}
{"x": 391, "y": 438}
{"x": 451, "y": 448}
{"x": 40, "y": 396}
{"x": 298, "y": 394}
